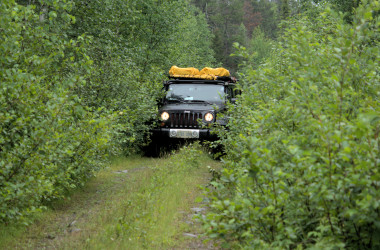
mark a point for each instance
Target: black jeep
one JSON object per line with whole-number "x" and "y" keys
{"x": 189, "y": 108}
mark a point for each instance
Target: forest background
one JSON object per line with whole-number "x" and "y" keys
{"x": 80, "y": 80}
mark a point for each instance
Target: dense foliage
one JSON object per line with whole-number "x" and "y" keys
{"x": 47, "y": 142}
{"x": 79, "y": 81}
{"x": 303, "y": 147}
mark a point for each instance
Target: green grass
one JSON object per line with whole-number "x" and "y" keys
{"x": 135, "y": 203}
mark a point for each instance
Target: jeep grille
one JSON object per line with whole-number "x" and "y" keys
{"x": 184, "y": 120}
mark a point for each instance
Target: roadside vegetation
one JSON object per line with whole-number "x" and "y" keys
{"x": 303, "y": 146}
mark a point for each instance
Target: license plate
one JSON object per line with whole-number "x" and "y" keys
{"x": 184, "y": 133}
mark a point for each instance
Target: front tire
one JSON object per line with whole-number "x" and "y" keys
{"x": 155, "y": 148}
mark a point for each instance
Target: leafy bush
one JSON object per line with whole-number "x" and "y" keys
{"x": 49, "y": 141}
{"x": 303, "y": 148}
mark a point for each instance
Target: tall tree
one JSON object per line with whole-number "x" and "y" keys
{"x": 234, "y": 21}
{"x": 268, "y": 12}
{"x": 225, "y": 18}
{"x": 252, "y": 18}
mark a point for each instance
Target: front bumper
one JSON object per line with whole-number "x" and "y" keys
{"x": 203, "y": 134}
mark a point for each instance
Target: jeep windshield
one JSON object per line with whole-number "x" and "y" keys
{"x": 195, "y": 93}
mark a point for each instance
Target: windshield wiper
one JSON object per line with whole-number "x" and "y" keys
{"x": 175, "y": 98}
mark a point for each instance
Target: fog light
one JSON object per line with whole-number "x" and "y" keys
{"x": 173, "y": 133}
{"x": 195, "y": 134}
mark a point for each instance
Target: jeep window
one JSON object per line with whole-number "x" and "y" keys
{"x": 195, "y": 93}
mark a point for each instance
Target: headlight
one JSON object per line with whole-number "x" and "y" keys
{"x": 209, "y": 117}
{"x": 165, "y": 116}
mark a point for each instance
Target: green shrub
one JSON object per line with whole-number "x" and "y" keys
{"x": 303, "y": 148}
{"x": 49, "y": 141}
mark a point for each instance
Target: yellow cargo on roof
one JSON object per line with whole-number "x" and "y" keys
{"x": 174, "y": 70}
{"x": 216, "y": 72}
{"x": 206, "y": 73}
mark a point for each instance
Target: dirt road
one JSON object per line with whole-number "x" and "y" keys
{"x": 135, "y": 203}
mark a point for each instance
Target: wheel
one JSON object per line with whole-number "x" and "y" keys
{"x": 155, "y": 148}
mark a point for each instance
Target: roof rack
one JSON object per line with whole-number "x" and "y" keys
{"x": 209, "y": 79}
